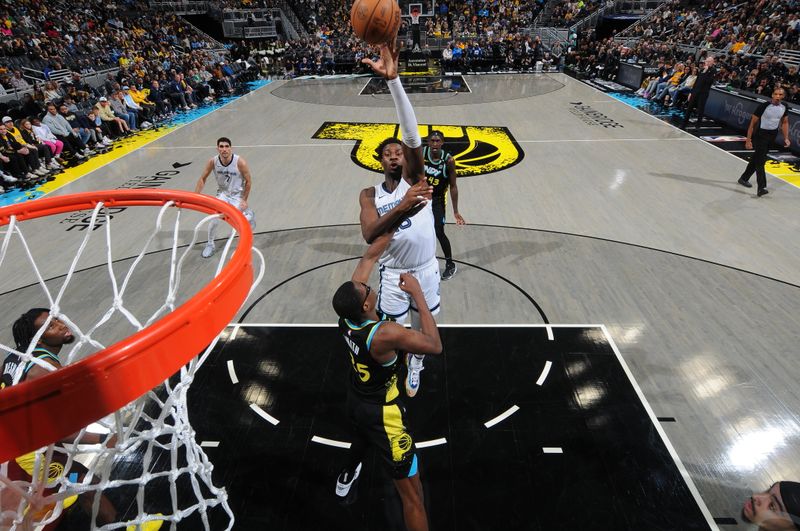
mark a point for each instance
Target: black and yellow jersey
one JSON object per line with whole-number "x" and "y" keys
{"x": 436, "y": 172}
{"x": 370, "y": 380}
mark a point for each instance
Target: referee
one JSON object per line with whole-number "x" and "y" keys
{"x": 762, "y": 133}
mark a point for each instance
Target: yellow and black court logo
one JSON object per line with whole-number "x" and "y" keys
{"x": 476, "y": 149}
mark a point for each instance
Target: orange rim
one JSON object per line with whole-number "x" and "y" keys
{"x": 37, "y": 413}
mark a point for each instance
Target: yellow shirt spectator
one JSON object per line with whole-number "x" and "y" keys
{"x": 139, "y": 96}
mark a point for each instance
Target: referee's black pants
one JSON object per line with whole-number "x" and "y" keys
{"x": 762, "y": 140}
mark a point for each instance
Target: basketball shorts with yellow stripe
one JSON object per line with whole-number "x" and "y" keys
{"x": 384, "y": 426}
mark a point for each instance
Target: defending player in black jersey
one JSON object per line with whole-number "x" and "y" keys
{"x": 440, "y": 170}
{"x": 375, "y": 347}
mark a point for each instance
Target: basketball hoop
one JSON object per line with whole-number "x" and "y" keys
{"x": 87, "y": 389}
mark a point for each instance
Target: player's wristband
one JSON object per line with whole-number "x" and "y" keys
{"x": 405, "y": 113}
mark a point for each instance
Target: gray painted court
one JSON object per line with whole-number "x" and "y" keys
{"x": 641, "y": 228}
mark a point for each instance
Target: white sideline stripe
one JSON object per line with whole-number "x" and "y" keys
{"x": 545, "y": 372}
{"x": 330, "y": 442}
{"x": 264, "y": 415}
{"x": 550, "y": 332}
{"x": 234, "y": 333}
{"x": 660, "y": 429}
{"x": 432, "y": 442}
{"x": 232, "y": 373}
{"x": 209, "y": 444}
{"x": 552, "y": 450}
{"x": 503, "y": 416}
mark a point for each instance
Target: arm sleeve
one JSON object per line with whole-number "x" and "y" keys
{"x": 405, "y": 113}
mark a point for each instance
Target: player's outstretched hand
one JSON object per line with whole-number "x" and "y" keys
{"x": 386, "y": 66}
{"x": 417, "y": 196}
{"x": 460, "y": 219}
{"x": 409, "y": 284}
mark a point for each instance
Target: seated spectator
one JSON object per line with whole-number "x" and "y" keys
{"x": 34, "y": 142}
{"x": 63, "y": 131}
{"x": 160, "y": 100}
{"x": 78, "y": 125}
{"x": 139, "y": 96}
{"x": 87, "y": 129}
{"x": 78, "y": 89}
{"x": 52, "y": 94}
{"x": 684, "y": 88}
{"x": 675, "y": 79}
{"x": 17, "y": 160}
{"x": 46, "y": 137}
{"x": 102, "y": 130}
{"x": 116, "y": 126}
{"x": 133, "y": 107}
{"x": 121, "y": 110}
{"x": 30, "y": 152}
{"x": 18, "y": 82}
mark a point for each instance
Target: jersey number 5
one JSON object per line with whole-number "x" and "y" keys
{"x": 361, "y": 369}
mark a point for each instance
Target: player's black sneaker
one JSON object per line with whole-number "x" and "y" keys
{"x": 346, "y": 484}
{"x": 450, "y": 270}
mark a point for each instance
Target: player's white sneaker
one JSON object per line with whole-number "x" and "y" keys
{"x": 345, "y": 485}
{"x": 415, "y": 366}
{"x": 208, "y": 250}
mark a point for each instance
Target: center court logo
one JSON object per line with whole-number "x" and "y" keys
{"x": 477, "y": 150}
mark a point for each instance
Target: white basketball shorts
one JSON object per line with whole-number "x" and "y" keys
{"x": 395, "y": 303}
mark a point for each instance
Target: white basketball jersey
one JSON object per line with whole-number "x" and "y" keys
{"x": 229, "y": 179}
{"x": 414, "y": 242}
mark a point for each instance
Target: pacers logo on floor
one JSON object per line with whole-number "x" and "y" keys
{"x": 477, "y": 150}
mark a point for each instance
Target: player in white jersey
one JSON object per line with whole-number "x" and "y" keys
{"x": 233, "y": 186}
{"x": 402, "y": 204}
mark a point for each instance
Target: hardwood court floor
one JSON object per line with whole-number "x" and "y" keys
{"x": 611, "y": 217}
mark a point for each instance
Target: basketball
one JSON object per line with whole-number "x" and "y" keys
{"x": 375, "y": 21}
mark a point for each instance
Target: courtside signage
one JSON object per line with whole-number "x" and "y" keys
{"x": 591, "y": 116}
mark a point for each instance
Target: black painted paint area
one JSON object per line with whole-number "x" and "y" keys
{"x": 614, "y": 473}
{"x": 419, "y": 85}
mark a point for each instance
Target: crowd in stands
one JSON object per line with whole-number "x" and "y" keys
{"x": 746, "y": 26}
{"x": 164, "y": 67}
{"x": 476, "y": 34}
{"x": 601, "y": 57}
{"x": 567, "y": 13}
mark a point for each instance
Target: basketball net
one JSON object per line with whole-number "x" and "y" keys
{"x": 154, "y": 439}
